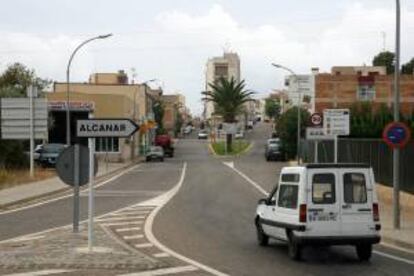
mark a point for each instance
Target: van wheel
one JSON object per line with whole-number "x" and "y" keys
{"x": 294, "y": 248}
{"x": 364, "y": 252}
{"x": 262, "y": 238}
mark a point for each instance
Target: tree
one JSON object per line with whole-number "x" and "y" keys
{"x": 229, "y": 98}
{"x": 272, "y": 108}
{"x": 13, "y": 83}
{"x": 287, "y": 128}
{"x": 159, "y": 110}
{"x": 386, "y": 59}
{"x": 17, "y": 77}
{"x": 408, "y": 68}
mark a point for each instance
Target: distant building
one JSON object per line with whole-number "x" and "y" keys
{"x": 345, "y": 86}
{"x": 106, "y": 95}
{"x": 174, "y": 109}
{"x": 227, "y": 66}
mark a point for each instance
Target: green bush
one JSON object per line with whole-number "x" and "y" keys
{"x": 12, "y": 155}
{"x": 286, "y": 128}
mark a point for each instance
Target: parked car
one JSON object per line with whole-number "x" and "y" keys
{"x": 239, "y": 134}
{"x": 273, "y": 150}
{"x": 155, "y": 153}
{"x": 203, "y": 134}
{"x": 322, "y": 204}
{"x": 188, "y": 129}
{"x": 49, "y": 153}
{"x": 165, "y": 141}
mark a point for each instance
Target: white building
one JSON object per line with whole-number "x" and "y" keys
{"x": 227, "y": 66}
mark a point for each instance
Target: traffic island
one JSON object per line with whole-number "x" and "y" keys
{"x": 62, "y": 249}
{"x": 238, "y": 147}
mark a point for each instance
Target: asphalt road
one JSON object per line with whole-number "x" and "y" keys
{"x": 142, "y": 183}
{"x": 211, "y": 220}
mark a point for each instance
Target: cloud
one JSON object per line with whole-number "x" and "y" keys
{"x": 175, "y": 46}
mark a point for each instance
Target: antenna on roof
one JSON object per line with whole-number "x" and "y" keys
{"x": 384, "y": 41}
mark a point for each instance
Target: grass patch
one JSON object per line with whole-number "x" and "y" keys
{"x": 238, "y": 147}
{"x": 10, "y": 178}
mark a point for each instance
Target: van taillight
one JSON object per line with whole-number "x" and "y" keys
{"x": 375, "y": 211}
{"x": 302, "y": 213}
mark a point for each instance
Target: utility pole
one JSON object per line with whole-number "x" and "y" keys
{"x": 396, "y": 150}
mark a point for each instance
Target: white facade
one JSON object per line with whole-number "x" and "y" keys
{"x": 227, "y": 66}
{"x": 302, "y": 86}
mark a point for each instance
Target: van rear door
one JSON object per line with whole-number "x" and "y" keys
{"x": 356, "y": 205}
{"x": 323, "y": 203}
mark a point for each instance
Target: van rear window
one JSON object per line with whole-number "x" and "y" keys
{"x": 323, "y": 188}
{"x": 290, "y": 177}
{"x": 355, "y": 190}
{"x": 288, "y": 196}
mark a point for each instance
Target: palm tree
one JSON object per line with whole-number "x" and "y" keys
{"x": 229, "y": 98}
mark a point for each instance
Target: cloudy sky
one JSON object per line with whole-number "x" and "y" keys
{"x": 172, "y": 40}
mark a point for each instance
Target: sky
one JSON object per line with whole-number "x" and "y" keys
{"x": 172, "y": 40}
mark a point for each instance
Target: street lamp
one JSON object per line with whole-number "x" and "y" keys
{"x": 68, "y": 134}
{"x": 299, "y": 106}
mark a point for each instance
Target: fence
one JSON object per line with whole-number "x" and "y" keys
{"x": 371, "y": 151}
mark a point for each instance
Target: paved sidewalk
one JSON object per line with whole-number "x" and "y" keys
{"x": 48, "y": 186}
{"x": 403, "y": 238}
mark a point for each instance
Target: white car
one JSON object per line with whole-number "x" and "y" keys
{"x": 239, "y": 135}
{"x": 202, "y": 134}
{"x": 322, "y": 204}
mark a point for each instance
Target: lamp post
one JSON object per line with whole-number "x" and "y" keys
{"x": 299, "y": 107}
{"x": 396, "y": 109}
{"x": 68, "y": 134}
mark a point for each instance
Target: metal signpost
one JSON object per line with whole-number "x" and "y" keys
{"x": 317, "y": 134}
{"x": 336, "y": 122}
{"x": 72, "y": 168}
{"x": 92, "y": 128}
{"x": 24, "y": 119}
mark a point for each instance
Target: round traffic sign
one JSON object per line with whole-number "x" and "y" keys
{"x": 396, "y": 134}
{"x": 316, "y": 119}
{"x": 65, "y": 165}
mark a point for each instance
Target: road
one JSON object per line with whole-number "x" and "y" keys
{"x": 211, "y": 220}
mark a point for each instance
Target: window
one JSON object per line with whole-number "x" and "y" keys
{"x": 323, "y": 188}
{"x": 366, "y": 93}
{"x": 107, "y": 144}
{"x": 290, "y": 177}
{"x": 355, "y": 190}
{"x": 288, "y": 196}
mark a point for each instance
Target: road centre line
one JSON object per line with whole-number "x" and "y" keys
{"x": 164, "y": 271}
{"x": 161, "y": 255}
{"x": 40, "y": 273}
{"x": 160, "y": 202}
{"x": 144, "y": 245}
{"x": 121, "y": 223}
{"x": 70, "y": 194}
{"x": 260, "y": 189}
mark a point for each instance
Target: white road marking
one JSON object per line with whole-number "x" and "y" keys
{"x": 133, "y": 237}
{"x": 128, "y": 229}
{"x": 260, "y": 189}
{"x": 160, "y": 202}
{"x": 121, "y": 223}
{"x": 137, "y": 212}
{"x": 164, "y": 271}
{"x": 404, "y": 260}
{"x": 69, "y": 195}
{"x": 161, "y": 255}
{"x": 27, "y": 238}
{"x": 40, "y": 273}
{"x": 254, "y": 184}
{"x": 119, "y": 218}
{"x": 144, "y": 245}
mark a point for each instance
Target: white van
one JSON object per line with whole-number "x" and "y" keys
{"x": 322, "y": 204}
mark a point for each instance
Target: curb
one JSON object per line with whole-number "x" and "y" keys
{"x": 8, "y": 206}
{"x": 212, "y": 151}
{"x": 397, "y": 244}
